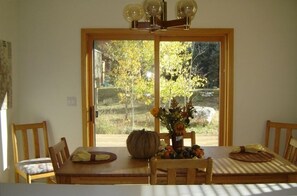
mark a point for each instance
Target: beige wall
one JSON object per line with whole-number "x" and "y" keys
{"x": 8, "y": 32}
{"x": 46, "y": 37}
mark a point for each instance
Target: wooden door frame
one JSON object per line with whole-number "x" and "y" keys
{"x": 224, "y": 36}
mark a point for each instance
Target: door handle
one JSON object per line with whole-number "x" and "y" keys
{"x": 91, "y": 114}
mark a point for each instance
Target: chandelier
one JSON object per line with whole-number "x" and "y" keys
{"x": 154, "y": 13}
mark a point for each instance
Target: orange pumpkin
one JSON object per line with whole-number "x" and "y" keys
{"x": 143, "y": 144}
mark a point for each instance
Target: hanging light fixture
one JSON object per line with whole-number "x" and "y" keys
{"x": 155, "y": 14}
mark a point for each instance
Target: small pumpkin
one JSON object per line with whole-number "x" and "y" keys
{"x": 143, "y": 144}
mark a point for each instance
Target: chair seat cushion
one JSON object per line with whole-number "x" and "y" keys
{"x": 35, "y": 166}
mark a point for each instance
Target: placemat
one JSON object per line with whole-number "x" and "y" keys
{"x": 261, "y": 156}
{"x": 94, "y": 153}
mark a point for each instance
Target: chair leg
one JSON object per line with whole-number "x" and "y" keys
{"x": 51, "y": 180}
{"x": 29, "y": 180}
{"x": 17, "y": 177}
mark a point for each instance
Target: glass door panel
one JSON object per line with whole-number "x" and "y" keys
{"x": 190, "y": 70}
{"x": 123, "y": 89}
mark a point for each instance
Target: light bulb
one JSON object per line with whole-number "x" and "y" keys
{"x": 186, "y": 8}
{"x": 152, "y": 7}
{"x": 133, "y": 12}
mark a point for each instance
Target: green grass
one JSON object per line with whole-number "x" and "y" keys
{"x": 112, "y": 118}
{"x": 116, "y": 124}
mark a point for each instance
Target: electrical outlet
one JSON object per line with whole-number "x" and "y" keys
{"x": 71, "y": 101}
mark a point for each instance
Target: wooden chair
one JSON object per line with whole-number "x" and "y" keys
{"x": 59, "y": 153}
{"x": 291, "y": 151}
{"x": 193, "y": 167}
{"x": 188, "y": 135}
{"x": 278, "y": 134}
{"x": 30, "y": 152}
{"x": 165, "y": 137}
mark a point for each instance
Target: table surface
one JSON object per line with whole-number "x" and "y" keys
{"x": 123, "y": 165}
{"x": 126, "y": 170}
{"x": 227, "y": 170}
{"x": 225, "y": 165}
{"x": 123, "y": 170}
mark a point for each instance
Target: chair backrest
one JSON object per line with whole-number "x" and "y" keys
{"x": 59, "y": 153}
{"x": 165, "y": 137}
{"x": 192, "y": 136}
{"x": 291, "y": 150}
{"x": 192, "y": 167}
{"x": 29, "y": 141}
{"x": 278, "y": 134}
{"x": 188, "y": 135}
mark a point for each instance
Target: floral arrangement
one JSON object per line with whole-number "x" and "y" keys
{"x": 175, "y": 118}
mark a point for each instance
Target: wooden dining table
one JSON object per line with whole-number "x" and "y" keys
{"x": 231, "y": 171}
{"x": 123, "y": 170}
{"x": 127, "y": 170}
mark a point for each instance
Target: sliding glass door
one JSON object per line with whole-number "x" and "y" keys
{"x": 127, "y": 73}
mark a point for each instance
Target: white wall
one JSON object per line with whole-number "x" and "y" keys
{"x": 48, "y": 59}
{"x": 8, "y": 32}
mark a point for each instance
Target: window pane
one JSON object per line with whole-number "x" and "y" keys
{"x": 124, "y": 89}
{"x": 190, "y": 70}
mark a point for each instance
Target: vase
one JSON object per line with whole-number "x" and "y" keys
{"x": 177, "y": 142}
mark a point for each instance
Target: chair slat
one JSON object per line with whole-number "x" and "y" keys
{"x": 171, "y": 176}
{"x": 191, "y": 175}
{"x": 45, "y": 139}
{"x": 25, "y": 144}
{"x": 289, "y": 133}
{"x": 36, "y": 142}
{"x": 276, "y": 140}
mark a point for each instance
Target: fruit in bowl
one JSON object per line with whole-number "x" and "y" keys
{"x": 192, "y": 152}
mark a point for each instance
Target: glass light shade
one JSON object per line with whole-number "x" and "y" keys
{"x": 133, "y": 12}
{"x": 186, "y": 8}
{"x": 152, "y": 7}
